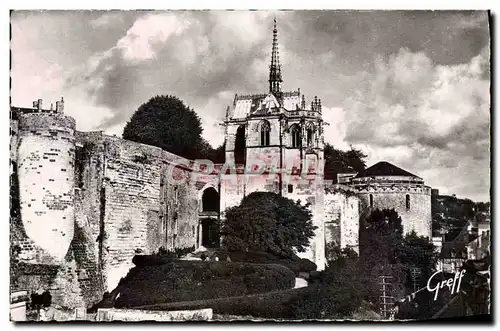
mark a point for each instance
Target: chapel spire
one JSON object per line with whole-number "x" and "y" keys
{"x": 275, "y": 67}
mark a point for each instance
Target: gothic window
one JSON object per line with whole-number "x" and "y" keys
{"x": 310, "y": 135}
{"x": 371, "y": 200}
{"x": 407, "y": 202}
{"x": 290, "y": 188}
{"x": 240, "y": 145}
{"x": 265, "y": 130}
{"x": 296, "y": 136}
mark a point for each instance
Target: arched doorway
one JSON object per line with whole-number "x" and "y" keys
{"x": 210, "y": 236}
{"x": 210, "y": 200}
{"x": 208, "y": 228}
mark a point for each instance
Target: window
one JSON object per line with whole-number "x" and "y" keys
{"x": 407, "y": 202}
{"x": 163, "y": 223}
{"x": 371, "y": 200}
{"x": 296, "y": 137}
{"x": 290, "y": 188}
{"x": 176, "y": 225}
{"x": 265, "y": 129}
{"x": 310, "y": 135}
{"x": 240, "y": 145}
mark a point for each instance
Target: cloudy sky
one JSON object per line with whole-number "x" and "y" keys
{"x": 411, "y": 88}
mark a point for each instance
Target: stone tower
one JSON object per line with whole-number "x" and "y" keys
{"x": 386, "y": 186}
{"x": 45, "y": 167}
{"x": 275, "y": 140}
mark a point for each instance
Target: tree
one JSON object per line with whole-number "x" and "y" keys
{"x": 416, "y": 252}
{"x": 338, "y": 161}
{"x": 338, "y": 291}
{"x": 380, "y": 233}
{"x": 267, "y": 222}
{"x": 216, "y": 155}
{"x": 336, "y": 255}
{"x": 165, "y": 122}
{"x": 384, "y": 250}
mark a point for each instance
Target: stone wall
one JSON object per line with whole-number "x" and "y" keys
{"x": 147, "y": 202}
{"x": 418, "y": 217}
{"x": 310, "y": 190}
{"x": 341, "y": 214}
{"x": 61, "y": 281}
{"x": 87, "y": 241}
{"x": 137, "y": 315}
{"x": 116, "y": 199}
{"x": 45, "y": 165}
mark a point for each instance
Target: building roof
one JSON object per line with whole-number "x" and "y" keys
{"x": 384, "y": 169}
{"x": 257, "y": 104}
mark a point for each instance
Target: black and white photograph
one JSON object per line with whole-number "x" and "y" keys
{"x": 250, "y": 165}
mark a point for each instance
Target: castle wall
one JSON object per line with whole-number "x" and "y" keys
{"x": 232, "y": 191}
{"x": 309, "y": 190}
{"x": 14, "y": 136}
{"x": 148, "y": 204}
{"x": 341, "y": 215}
{"x": 45, "y": 167}
{"x": 417, "y": 218}
{"x": 87, "y": 241}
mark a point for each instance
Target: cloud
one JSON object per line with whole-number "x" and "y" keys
{"x": 147, "y": 32}
{"x": 187, "y": 54}
{"x": 425, "y": 116}
{"x": 106, "y": 19}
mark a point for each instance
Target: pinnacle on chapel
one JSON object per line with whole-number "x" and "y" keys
{"x": 275, "y": 68}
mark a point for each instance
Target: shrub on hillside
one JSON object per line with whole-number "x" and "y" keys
{"x": 325, "y": 302}
{"x": 303, "y": 303}
{"x": 177, "y": 281}
{"x": 306, "y": 265}
{"x": 292, "y": 262}
{"x": 178, "y": 252}
{"x": 162, "y": 256}
{"x": 263, "y": 305}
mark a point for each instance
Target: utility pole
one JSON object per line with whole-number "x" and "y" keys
{"x": 386, "y": 300}
{"x": 414, "y": 276}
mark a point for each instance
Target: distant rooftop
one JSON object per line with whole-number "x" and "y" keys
{"x": 384, "y": 169}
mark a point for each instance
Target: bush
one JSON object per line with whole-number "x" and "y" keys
{"x": 313, "y": 302}
{"x": 275, "y": 304}
{"x": 294, "y": 263}
{"x": 176, "y": 253}
{"x": 306, "y": 265}
{"x": 314, "y": 276}
{"x": 177, "y": 281}
{"x": 323, "y": 302}
{"x": 163, "y": 256}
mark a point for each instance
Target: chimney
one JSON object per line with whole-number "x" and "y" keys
{"x": 39, "y": 104}
{"x": 60, "y": 106}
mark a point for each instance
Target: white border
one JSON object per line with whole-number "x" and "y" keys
{"x": 190, "y": 4}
